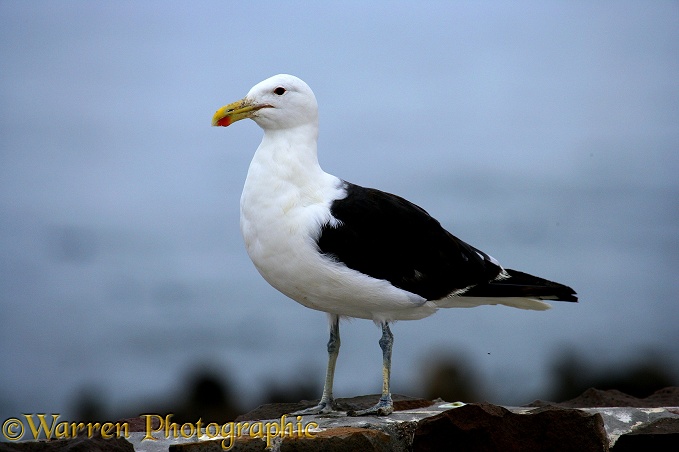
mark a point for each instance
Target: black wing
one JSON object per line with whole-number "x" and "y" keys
{"x": 523, "y": 285}
{"x": 387, "y": 237}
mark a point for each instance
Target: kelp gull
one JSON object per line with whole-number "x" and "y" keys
{"x": 352, "y": 251}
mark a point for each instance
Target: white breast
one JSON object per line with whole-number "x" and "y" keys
{"x": 283, "y": 207}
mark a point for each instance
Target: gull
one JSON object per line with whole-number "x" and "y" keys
{"x": 352, "y": 251}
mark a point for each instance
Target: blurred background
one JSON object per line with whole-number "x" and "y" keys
{"x": 545, "y": 133}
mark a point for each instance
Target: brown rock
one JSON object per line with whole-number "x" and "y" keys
{"x": 244, "y": 444}
{"x": 276, "y": 410}
{"x": 485, "y": 427}
{"x": 662, "y": 434}
{"x": 593, "y": 398}
{"x": 95, "y": 444}
{"x": 138, "y": 424}
{"x": 340, "y": 439}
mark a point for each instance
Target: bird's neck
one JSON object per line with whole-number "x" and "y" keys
{"x": 289, "y": 155}
{"x": 284, "y": 180}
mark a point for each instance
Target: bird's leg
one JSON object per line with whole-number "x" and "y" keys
{"x": 326, "y": 405}
{"x": 385, "y": 405}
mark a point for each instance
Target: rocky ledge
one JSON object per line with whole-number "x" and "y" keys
{"x": 595, "y": 421}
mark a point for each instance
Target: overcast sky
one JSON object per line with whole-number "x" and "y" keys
{"x": 544, "y": 133}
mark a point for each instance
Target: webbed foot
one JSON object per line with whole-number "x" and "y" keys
{"x": 323, "y": 407}
{"x": 383, "y": 408}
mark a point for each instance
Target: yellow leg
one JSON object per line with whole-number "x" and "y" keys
{"x": 326, "y": 404}
{"x": 385, "y": 406}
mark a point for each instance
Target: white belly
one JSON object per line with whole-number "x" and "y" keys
{"x": 280, "y": 224}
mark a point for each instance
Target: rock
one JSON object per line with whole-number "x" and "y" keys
{"x": 341, "y": 439}
{"x": 595, "y": 421}
{"x": 94, "y": 444}
{"x": 138, "y": 424}
{"x": 486, "y": 427}
{"x": 662, "y": 434}
{"x": 276, "y": 410}
{"x": 593, "y": 398}
{"x": 650, "y": 423}
{"x": 242, "y": 445}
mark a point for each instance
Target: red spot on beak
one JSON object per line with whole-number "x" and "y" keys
{"x": 224, "y": 122}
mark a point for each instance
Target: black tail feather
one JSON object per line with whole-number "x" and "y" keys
{"x": 523, "y": 285}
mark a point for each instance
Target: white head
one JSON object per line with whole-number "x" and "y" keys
{"x": 280, "y": 102}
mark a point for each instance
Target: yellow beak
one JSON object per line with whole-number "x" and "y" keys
{"x": 236, "y": 111}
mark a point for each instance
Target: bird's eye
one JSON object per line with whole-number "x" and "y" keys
{"x": 279, "y": 91}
